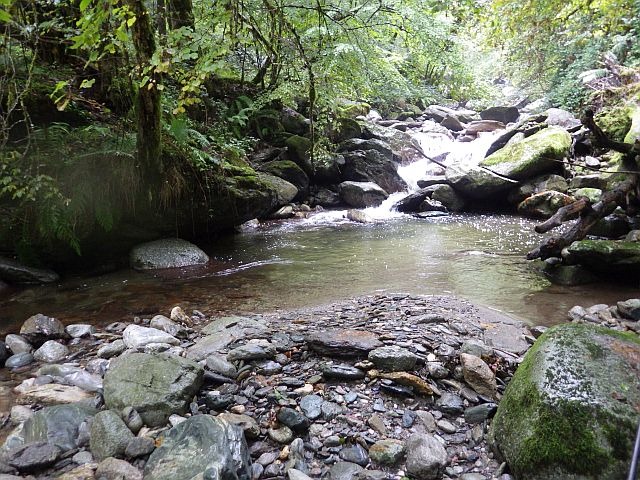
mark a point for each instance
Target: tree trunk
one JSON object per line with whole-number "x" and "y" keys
{"x": 148, "y": 108}
{"x": 180, "y": 13}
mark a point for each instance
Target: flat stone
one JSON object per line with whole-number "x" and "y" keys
{"x": 343, "y": 343}
{"x": 81, "y": 472}
{"x": 160, "y": 322}
{"x": 294, "y": 474}
{"x": 344, "y": 471}
{"x": 155, "y": 385}
{"x": 387, "y": 452}
{"x": 114, "y": 469}
{"x": 341, "y": 372}
{"x": 136, "y": 336}
{"x": 426, "y": 457}
{"x": 355, "y": 454}
{"x": 211, "y": 344}
{"x": 51, "y": 352}
{"x": 311, "y": 405}
{"x": 446, "y": 426}
{"x": 52, "y": 394}
{"x": 219, "y": 364}
{"x": 253, "y": 350}
{"x": 406, "y": 379}
{"x": 281, "y": 435}
{"x": 109, "y": 435}
{"x": 80, "y": 330}
{"x": 112, "y": 349}
{"x": 19, "y": 360}
{"x": 34, "y": 456}
{"x": 478, "y": 375}
{"x": 480, "y": 413}
{"x": 330, "y": 411}
{"x": 248, "y": 424}
{"x": 15, "y": 272}
{"x": 450, "y": 403}
{"x": 505, "y": 337}
{"x": 58, "y": 425}
{"x": 393, "y": 358}
{"x": 139, "y": 447}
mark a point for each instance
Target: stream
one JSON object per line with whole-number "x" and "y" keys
{"x": 325, "y": 258}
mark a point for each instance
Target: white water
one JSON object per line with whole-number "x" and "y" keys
{"x": 432, "y": 145}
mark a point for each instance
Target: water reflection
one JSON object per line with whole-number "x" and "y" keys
{"x": 296, "y": 264}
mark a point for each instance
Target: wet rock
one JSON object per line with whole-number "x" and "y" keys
{"x": 392, "y": 358}
{"x": 630, "y": 309}
{"x": 253, "y": 350}
{"x": 20, "y": 414}
{"x": 426, "y": 457}
{"x": 293, "y": 419}
{"x": 201, "y": 445}
{"x": 58, "y": 425}
{"x": 109, "y": 435}
{"x": 40, "y": 328}
{"x": 18, "y": 344}
{"x": 15, "y": 272}
{"x": 82, "y": 457}
{"x": 343, "y": 342}
{"x": 155, "y": 385}
{"x": 387, "y": 452}
{"x": 480, "y": 413}
{"x": 311, "y": 406}
{"x": 136, "y": 336}
{"x": 80, "y": 330}
{"x": 341, "y": 372}
{"x": 139, "y": 447}
{"x": 375, "y": 167}
{"x": 344, "y": 471}
{"x": 281, "y": 435}
{"x": 85, "y": 381}
{"x": 476, "y": 182}
{"x": 114, "y": 469}
{"x": 544, "y": 204}
{"x": 166, "y": 253}
{"x": 51, "y": 352}
{"x": 112, "y": 349}
{"x": 478, "y": 375}
{"x": 19, "y": 360}
{"x": 355, "y": 454}
{"x": 216, "y": 401}
{"x": 34, "y": 456}
{"x": 362, "y": 194}
{"x": 406, "y": 379}
{"x": 219, "y": 364}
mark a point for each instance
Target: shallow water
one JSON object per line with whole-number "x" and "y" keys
{"x": 311, "y": 262}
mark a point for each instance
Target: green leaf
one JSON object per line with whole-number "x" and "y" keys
{"x": 88, "y": 83}
{"x": 84, "y": 4}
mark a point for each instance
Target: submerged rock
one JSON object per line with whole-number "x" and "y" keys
{"x": 166, "y": 253}
{"x": 564, "y": 414}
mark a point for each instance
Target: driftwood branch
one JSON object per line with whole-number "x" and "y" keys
{"x": 589, "y": 214}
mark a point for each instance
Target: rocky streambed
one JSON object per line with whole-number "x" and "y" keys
{"x": 376, "y": 387}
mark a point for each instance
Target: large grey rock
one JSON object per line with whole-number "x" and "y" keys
{"x": 343, "y": 342}
{"x": 344, "y": 471}
{"x": 40, "y": 328}
{"x": 136, "y": 336}
{"x": 561, "y": 118}
{"x": 33, "y": 456}
{"x": 109, "y": 435}
{"x": 156, "y": 386}
{"x": 51, "y": 352}
{"x": 256, "y": 349}
{"x": 15, "y": 272}
{"x": 285, "y": 191}
{"x": 630, "y": 308}
{"x": 565, "y": 413}
{"x": 501, "y": 114}
{"x": 362, "y": 194}
{"x": 289, "y": 171}
{"x": 539, "y": 184}
{"x": 426, "y": 457}
{"x": 393, "y": 358}
{"x": 18, "y": 344}
{"x": 544, "y": 204}
{"x": 476, "y": 182}
{"x": 58, "y": 425}
{"x": 19, "y": 360}
{"x": 448, "y": 197}
{"x": 373, "y": 166}
{"x": 166, "y": 253}
{"x": 609, "y": 256}
{"x": 201, "y": 445}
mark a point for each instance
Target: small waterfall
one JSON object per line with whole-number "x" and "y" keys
{"x": 432, "y": 144}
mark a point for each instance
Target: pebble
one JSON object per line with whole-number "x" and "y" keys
{"x": 19, "y": 360}
{"x": 342, "y": 372}
{"x": 355, "y": 454}
{"x": 281, "y": 435}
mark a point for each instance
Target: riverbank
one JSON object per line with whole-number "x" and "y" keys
{"x": 302, "y": 387}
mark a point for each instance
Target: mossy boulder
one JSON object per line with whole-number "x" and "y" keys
{"x": 285, "y": 191}
{"x": 592, "y": 194}
{"x": 477, "y": 182}
{"x": 615, "y": 121}
{"x": 612, "y": 256}
{"x": 532, "y": 156}
{"x": 289, "y": 171}
{"x": 570, "y": 411}
{"x": 373, "y": 166}
{"x": 351, "y": 109}
{"x": 634, "y": 129}
{"x": 544, "y": 204}
{"x": 299, "y": 149}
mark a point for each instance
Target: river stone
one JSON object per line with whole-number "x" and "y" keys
{"x": 112, "y": 349}
{"x": 630, "y": 308}
{"x": 387, "y": 452}
{"x": 561, "y": 118}
{"x": 81, "y": 472}
{"x": 51, "y": 352}
{"x": 448, "y": 197}
{"x": 256, "y": 349}
{"x": 344, "y": 471}
{"x": 156, "y": 386}
{"x": 115, "y": 469}
{"x": 476, "y": 182}
{"x": 478, "y": 375}
{"x": 332, "y": 371}
{"x": 201, "y": 445}
{"x": 564, "y": 414}
{"x": 248, "y": 424}
{"x": 610, "y": 256}
{"x": 311, "y": 406}
{"x": 219, "y": 364}
{"x": 450, "y": 403}
{"x": 284, "y": 192}
{"x": 109, "y": 435}
{"x": 139, "y": 447}
{"x": 136, "y": 336}
{"x": 293, "y": 419}
{"x": 501, "y": 114}
{"x": 18, "y": 344}
{"x": 15, "y": 272}
{"x": 166, "y": 253}
{"x": 343, "y": 343}
{"x": 40, "y": 328}
{"x": 362, "y": 194}
{"x": 282, "y": 435}
{"x": 505, "y": 337}
{"x": 393, "y": 358}
{"x": 80, "y": 330}
{"x": 58, "y": 425}
{"x": 167, "y": 325}
{"x": 544, "y": 204}
{"x": 33, "y": 456}
{"x": 212, "y": 344}
{"x": 375, "y": 167}
{"x": 426, "y": 457}
{"x": 355, "y": 454}
{"x": 532, "y": 156}
{"x": 19, "y": 360}
{"x": 52, "y": 394}
{"x": 479, "y": 413}
{"x": 289, "y": 171}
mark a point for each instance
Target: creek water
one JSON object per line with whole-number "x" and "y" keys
{"x": 325, "y": 258}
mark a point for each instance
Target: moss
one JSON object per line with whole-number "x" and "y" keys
{"x": 634, "y": 128}
{"x": 615, "y": 121}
